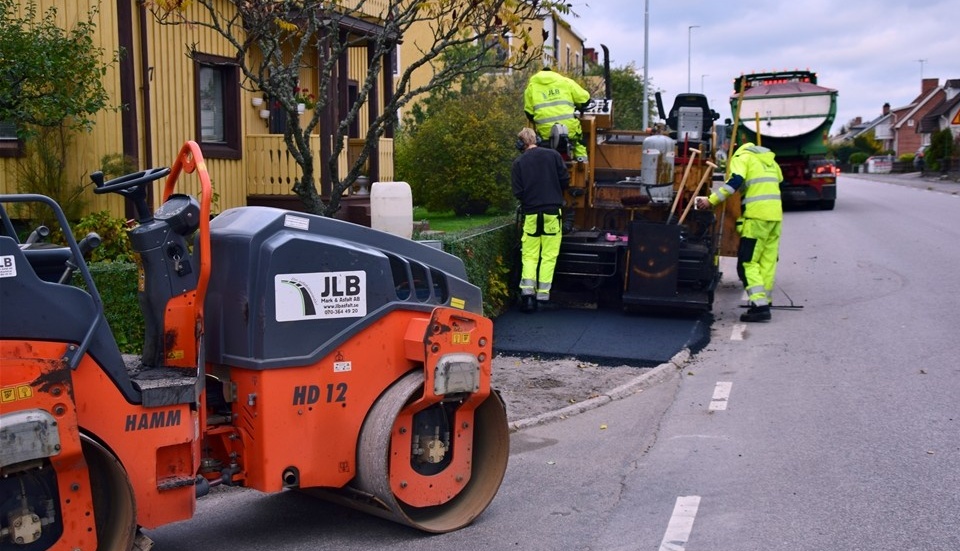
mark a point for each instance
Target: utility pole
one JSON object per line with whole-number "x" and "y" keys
{"x": 646, "y": 63}
{"x": 689, "y": 33}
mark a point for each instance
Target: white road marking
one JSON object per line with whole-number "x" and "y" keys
{"x": 721, "y": 394}
{"x": 737, "y": 333}
{"x": 681, "y": 524}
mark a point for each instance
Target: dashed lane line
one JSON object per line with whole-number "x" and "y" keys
{"x": 721, "y": 395}
{"x": 681, "y": 524}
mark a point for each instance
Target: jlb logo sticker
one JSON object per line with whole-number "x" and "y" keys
{"x": 8, "y": 266}
{"x": 321, "y": 295}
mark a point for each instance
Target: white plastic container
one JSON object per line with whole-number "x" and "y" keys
{"x": 391, "y": 208}
{"x": 657, "y": 167}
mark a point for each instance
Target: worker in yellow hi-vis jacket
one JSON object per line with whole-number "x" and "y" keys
{"x": 755, "y": 173}
{"x": 552, "y": 98}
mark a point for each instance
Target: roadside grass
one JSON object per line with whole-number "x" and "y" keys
{"x": 449, "y": 222}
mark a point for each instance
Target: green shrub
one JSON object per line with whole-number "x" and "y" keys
{"x": 117, "y": 284}
{"x": 43, "y": 170}
{"x": 858, "y": 158}
{"x": 488, "y": 256}
{"x": 459, "y": 157}
{"x": 940, "y": 150}
{"x": 115, "y": 245}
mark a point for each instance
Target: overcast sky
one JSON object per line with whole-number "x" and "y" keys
{"x": 868, "y": 50}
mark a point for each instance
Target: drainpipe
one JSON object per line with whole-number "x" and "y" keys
{"x": 147, "y": 72}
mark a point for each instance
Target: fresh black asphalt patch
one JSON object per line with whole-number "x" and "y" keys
{"x": 602, "y": 336}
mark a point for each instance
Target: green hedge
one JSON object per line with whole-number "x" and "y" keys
{"x": 488, "y": 254}
{"x": 117, "y": 283}
{"x": 858, "y": 158}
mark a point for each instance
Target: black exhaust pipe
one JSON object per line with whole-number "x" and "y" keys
{"x": 663, "y": 114}
{"x": 607, "y": 86}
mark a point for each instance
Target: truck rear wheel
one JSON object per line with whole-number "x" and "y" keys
{"x": 827, "y": 204}
{"x": 380, "y": 461}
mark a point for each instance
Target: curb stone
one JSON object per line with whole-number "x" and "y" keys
{"x": 630, "y": 388}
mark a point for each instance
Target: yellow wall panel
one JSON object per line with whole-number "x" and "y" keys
{"x": 169, "y": 116}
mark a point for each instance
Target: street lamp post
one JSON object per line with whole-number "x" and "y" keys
{"x": 689, "y": 33}
{"x": 646, "y": 63}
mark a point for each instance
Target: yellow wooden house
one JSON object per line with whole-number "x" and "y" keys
{"x": 170, "y": 98}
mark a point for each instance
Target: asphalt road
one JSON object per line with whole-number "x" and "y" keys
{"x": 834, "y": 426}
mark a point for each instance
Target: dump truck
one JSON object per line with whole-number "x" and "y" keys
{"x": 789, "y": 113}
{"x": 631, "y": 238}
{"x": 282, "y": 351}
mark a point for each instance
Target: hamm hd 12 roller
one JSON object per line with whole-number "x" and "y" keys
{"x": 282, "y": 351}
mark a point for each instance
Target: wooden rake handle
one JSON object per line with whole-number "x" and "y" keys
{"x": 696, "y": 192}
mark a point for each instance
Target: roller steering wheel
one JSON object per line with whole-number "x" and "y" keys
{"x": 131, "y": 181}
{"x": 133, "y": 187}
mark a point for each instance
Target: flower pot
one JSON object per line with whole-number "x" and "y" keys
{"x": 257, "y": 102}
{"x": 264, "y": 113}
{"x": 301, "y": 108}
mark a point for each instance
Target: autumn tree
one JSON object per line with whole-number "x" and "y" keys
{"x": 457, "y": 147}
{"x": 283, "y": 34}
{"x": 627, "y": 89}
{"x": 51, "y": 86}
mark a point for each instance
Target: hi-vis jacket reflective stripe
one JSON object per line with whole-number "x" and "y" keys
{"x": 755, "y": 169}
{"x": 551, "y": 97}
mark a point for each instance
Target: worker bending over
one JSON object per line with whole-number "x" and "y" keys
{"x": 538, "y": 177}
{"x": 755, "y": 173}
{"x": 551, "y": 98}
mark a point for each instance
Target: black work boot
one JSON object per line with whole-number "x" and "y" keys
{"x": 756, "y": 313}
{"x": 528, "y": 303}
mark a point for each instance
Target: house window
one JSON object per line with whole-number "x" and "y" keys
{"x": 211, "y": 105}
{"x": 217, "y": 106}
{"x": 10, "y": 146}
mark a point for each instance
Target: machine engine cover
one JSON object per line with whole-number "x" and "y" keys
{"x": 287, "y": 287}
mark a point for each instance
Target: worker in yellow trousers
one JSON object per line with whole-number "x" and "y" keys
{"x": 538, "y": 177}
{"x": 755, "y": 173}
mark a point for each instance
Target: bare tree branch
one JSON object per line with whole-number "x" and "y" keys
{"x": 273, "y": 39}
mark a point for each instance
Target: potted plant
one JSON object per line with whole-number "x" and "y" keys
{"x": 305, "y": 100}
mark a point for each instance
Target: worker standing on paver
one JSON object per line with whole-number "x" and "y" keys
{"x": 551, "y": 98}
{"x": 539, "y": 177}
{"x": 755, "y": 173}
